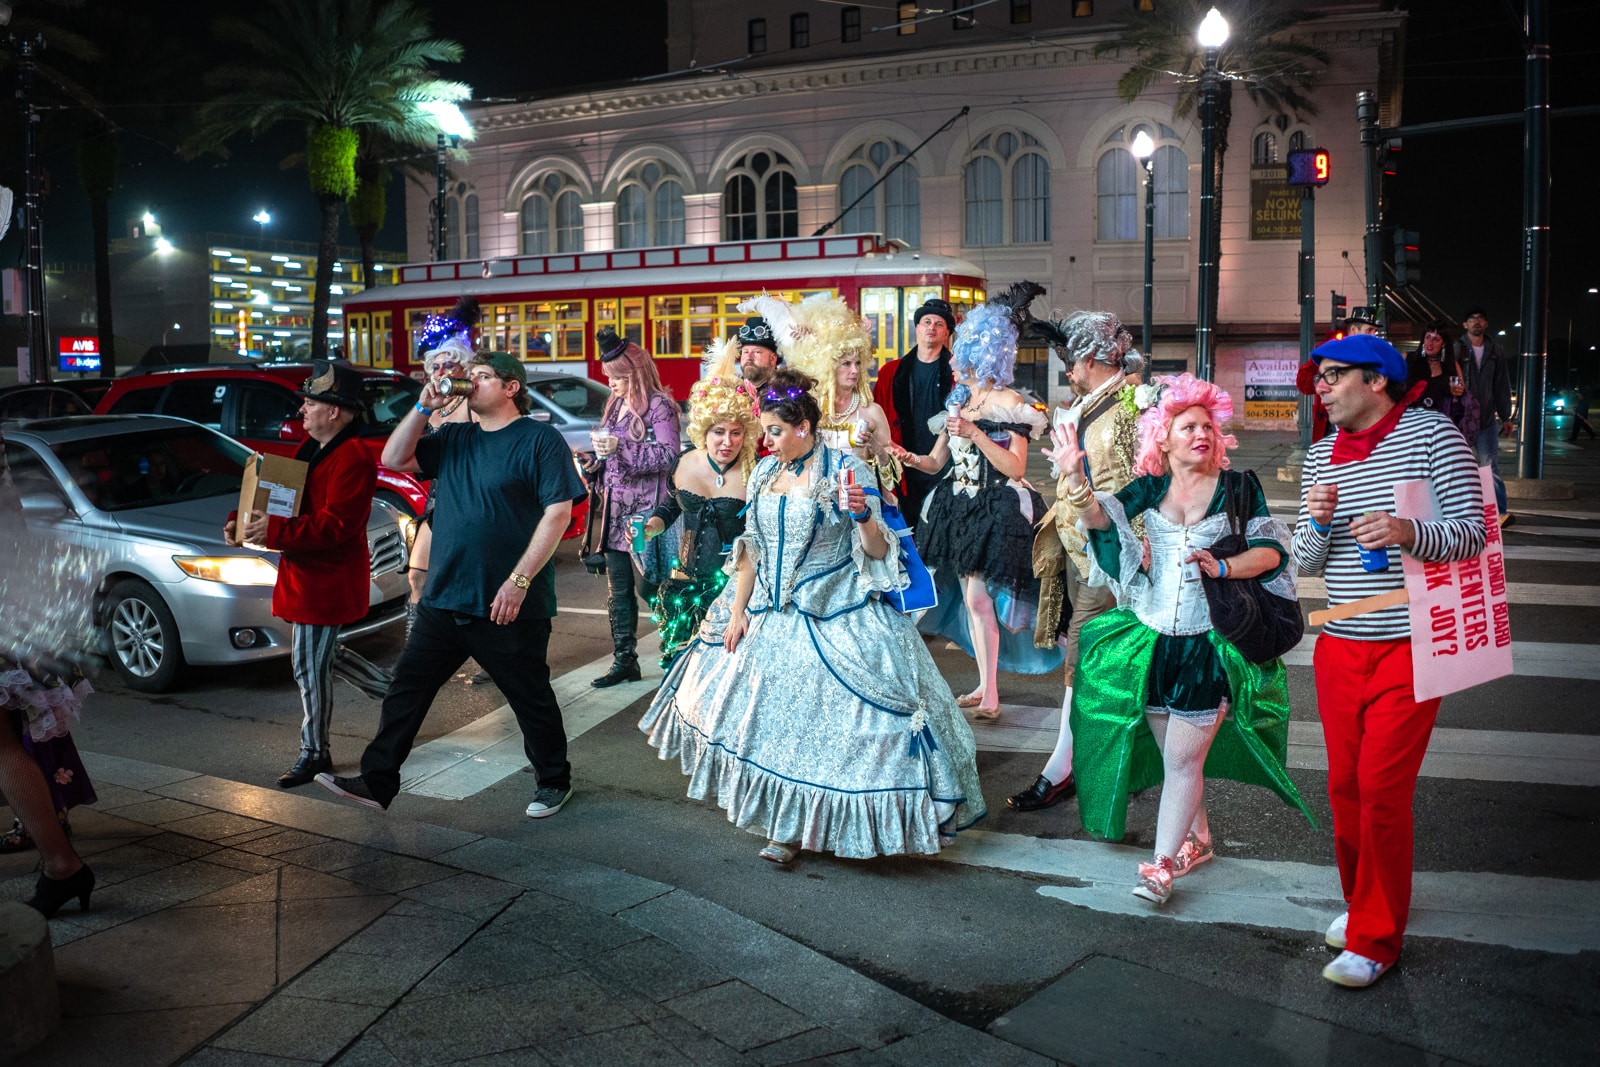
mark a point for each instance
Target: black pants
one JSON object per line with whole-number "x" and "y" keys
{"x": 621, "y": 606}
{"x": 514, "y": 656}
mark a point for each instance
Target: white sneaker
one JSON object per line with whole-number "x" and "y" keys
{"x": 1335, "y": 935}
{"x": 1353, "y": 971}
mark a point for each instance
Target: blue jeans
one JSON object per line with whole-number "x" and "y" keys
{"x": 1487, "y": 451}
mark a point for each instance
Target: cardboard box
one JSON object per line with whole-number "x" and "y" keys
{"x": 272, "y": 484}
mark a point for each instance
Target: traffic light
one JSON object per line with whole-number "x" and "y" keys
{"x": 1407, "y": 258}
{"x": 1336, "y": 320}
{"x": 1391, "y": 157}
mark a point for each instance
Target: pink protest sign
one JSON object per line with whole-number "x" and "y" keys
{"x": 1460, "y": 613}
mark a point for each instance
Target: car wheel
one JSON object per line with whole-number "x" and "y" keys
{"x": 143, "y": 637}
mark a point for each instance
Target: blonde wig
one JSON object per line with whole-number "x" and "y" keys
{"x": 814, "y": 337}
{"x": 723, "y": 396}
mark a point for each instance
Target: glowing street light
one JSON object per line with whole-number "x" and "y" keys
{"x": 453, "y": 128}
{"x": 1212, "y": 35}
{"x": 1143, "y": 148}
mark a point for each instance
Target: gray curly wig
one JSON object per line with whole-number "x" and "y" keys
{"x": 1096, "y": 335}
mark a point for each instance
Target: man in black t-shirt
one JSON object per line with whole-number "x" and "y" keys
{"x": 505, "y": 486}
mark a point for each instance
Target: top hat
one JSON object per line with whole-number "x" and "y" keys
{"x": 757, "y": 331}
{"x": 335, "y": 383}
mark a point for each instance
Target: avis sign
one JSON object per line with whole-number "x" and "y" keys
{"x": 79, "y": 355}
{"x": 1460, "y": 612}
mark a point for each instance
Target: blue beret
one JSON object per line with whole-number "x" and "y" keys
{"x": 1364, "y": 350}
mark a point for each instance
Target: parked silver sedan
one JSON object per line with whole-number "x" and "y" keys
{"x": 154, "y": 492}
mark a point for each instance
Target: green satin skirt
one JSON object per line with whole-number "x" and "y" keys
{"x": 1118, "y": 676}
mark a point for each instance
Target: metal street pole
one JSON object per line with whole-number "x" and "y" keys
{"x": 1371, "y": 147}
{"x": 438, "y": 203}
{"x": 1205, "y": 343}
{"x": 32, "y": 199}
{"x": 1149, "y": 250}
{"x": 1535, "y": 243}
{"x": 1308, "y": 296}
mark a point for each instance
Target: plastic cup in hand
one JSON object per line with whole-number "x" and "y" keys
{"x": 604, "y": 441}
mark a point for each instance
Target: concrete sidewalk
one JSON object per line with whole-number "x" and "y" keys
{"x": 233, "y": 924}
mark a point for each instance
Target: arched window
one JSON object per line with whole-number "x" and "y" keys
{"x": 759, "y": 198}
{"x": 1006, "y": 188}
{"x": 1264, "y": 149}
{"x": 895, "y": 207}
{"x": 552, "y": 216}
{"x": 461, "y": 224}
{"x": 1118, "y": 182}
{"x": 1300, "y": 141}
{"x": 650, "y": 207}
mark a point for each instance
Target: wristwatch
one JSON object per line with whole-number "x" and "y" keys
{"x": 521, "y": 581}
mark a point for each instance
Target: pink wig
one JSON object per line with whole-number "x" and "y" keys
{"x": 1179, "y": 393}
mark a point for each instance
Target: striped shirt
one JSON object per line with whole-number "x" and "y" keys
{"x": 1424, "y": 444}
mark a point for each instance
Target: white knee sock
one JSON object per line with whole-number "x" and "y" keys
{"x": 1059, "y": 765}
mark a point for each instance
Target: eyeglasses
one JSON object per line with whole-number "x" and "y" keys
{"x": 1331, "y": 376}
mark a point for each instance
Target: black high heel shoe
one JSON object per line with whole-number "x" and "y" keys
{"x": 51, "y": 893}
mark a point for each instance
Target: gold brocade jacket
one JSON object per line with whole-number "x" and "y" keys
{"x": 1109, "y": 445}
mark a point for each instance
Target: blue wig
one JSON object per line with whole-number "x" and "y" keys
{"x": 985, "y": 345}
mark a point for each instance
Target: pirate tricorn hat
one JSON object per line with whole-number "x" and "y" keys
{"x": 334, "y": 383}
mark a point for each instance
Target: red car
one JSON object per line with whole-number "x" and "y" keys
{"x": 258, "y": 405}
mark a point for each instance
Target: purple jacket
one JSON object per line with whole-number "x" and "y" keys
{"x": 639, "y": 473}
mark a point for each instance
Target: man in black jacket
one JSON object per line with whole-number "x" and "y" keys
{"x": 1487, "y": 370}
{"x": 911, "y": 390}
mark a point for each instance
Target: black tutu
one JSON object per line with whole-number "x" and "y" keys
{"x": 985, "y": 533}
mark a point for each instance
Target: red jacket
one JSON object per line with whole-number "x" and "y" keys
{"x": 324, "y": 569}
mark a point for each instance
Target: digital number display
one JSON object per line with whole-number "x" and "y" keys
{"x": 1309, "y": 167}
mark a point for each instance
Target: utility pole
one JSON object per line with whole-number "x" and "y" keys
{"x": 32, "y": 197}
{"x": 1535, "y": 242}
{"x": 1308, "y": 299}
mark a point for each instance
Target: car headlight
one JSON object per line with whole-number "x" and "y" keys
{"x": 229, "y": 570}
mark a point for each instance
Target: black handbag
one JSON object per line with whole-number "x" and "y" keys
{"x": 1261, "y": 625}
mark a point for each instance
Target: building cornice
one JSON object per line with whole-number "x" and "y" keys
{"x": 1040, "y": 53}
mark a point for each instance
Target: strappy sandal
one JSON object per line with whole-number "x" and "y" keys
{"x": 986, "y": 714}
{"x": 777, "y": 852}
{"x": 971, "y": 700}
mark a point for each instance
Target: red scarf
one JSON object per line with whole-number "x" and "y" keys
{"x": 1352, "y": 446}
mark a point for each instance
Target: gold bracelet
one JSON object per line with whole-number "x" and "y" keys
{"x": 1081, "y": 497}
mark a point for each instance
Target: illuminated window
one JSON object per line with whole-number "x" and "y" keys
{"x": 547, "y": 330}
{"x": 799, "y": 31}
{"x": 907, "y": 19}
{"x": 850, "y": 24}
{"x": 760, "y": 199}
{"x": 1006, "y": 190}
{"x": 1300, "y": 141}
{"x": 1264, "y": 149}
{"x": 1119, "y": 204}
{"x": 626, "y": 316}
{"x": 650, "y": 207}
{"x": 552, "y": 217}
{"x": 893, "y": 208}
{"x": 758, "y": 36}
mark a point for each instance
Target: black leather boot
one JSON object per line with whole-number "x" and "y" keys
{"x": 304, "y": 770}
{"x": 625, "y": 662}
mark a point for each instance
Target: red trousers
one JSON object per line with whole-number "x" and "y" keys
{"x": 1377, "y": 733}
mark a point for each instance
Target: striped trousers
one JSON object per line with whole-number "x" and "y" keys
{"x": 317, "y": 657}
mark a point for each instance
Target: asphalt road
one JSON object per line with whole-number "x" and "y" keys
{"x": 973, "y": 939}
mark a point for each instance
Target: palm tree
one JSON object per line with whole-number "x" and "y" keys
{"x": 1276, "y": 69}
{"x": 338, "y": 67}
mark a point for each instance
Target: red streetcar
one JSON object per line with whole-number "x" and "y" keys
{"x": 546, "y": 309}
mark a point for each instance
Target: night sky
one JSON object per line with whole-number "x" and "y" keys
{"x": 1461, "y": 191}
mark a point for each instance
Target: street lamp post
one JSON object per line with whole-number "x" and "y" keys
{"x": 32, "y": 196}
{"x": 1213, "y": 34}
{"x": 453, "y": 129}
{"x": 1143, "y": 149}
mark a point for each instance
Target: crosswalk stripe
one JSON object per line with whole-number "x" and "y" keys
{"x": 1543, "y": 914}
{"x": 469, "y": 760}
{"x": 1467, "y": 755}
{"x": 1566, "y": 596}
{"x": 1576, "y": 532}
{"x": 1552, "y": 554}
